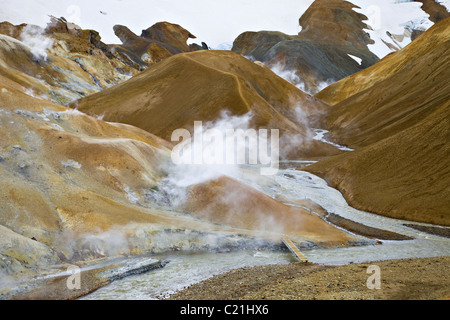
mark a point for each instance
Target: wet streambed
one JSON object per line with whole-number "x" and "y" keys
{"x": 186, "y": 268}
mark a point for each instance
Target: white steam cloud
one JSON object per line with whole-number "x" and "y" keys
{"x": 188, "y": 171}
{"x": 139, "y": 239}
{"x": 293, "y": 141}
{"x": 6, "y": 279}
{"x": 218, "y": 154}
{"x": 292, "y": 77}
{"x": 193, "y": 170}
{"x": 34, "y": 37}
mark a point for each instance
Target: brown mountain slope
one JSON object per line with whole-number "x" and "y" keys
{"x": 436, "y": 36}
{"x": 394, "y": 94}
{"x": 404, "y": 176}
{"x": 54, "y": 160}
{"x": 200, "y": 86}
{"x": 398, "y": 120}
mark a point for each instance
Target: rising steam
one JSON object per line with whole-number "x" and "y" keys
{"x": 292, "y": 77}
{"x": 34, "y": 37}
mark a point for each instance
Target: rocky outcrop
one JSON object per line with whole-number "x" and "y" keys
{"x": 321, "y": 53}
{"x": 436, "y": 10}
{"x": 396, "y": 113}
{"x": 170, "y": 34}
{"x": 11, "y": 30}
{"x": 336, "y": 23}
{"x": 155, "y": 44}
{"x": 256, "y": 44}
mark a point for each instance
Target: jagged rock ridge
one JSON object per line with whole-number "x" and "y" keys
{"x": 156, "y": 43}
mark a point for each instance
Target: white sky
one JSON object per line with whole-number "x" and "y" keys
{"x": 211, "y": 21}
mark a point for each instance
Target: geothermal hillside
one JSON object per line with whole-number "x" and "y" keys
{"x": 63, "y": 62}
{"x": 60, "y": 63}
{"x": 85, "y": 134}
{"x": 72, "y": 185}
{"x": 75, "y": 187}
{"x": 396, "y": 113}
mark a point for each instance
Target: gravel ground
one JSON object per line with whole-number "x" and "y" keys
{"x": 418, "y": 279}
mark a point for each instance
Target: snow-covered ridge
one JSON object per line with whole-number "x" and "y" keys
{"x": 395, "y": 17}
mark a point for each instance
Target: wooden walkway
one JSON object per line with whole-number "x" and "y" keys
{"x": 291, "y": 246}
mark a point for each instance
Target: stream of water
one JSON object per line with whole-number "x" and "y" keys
{"x": 185, "y": 269}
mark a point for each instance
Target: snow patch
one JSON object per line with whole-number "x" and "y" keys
{"x": 392, "y": 21}
{"x": 358, "y": 60}
{"x": 320, "y": 136}
{"x": 131, "y": 195}
{"x": 224, "y": 46}
{"x": 71, "y": 164}
{"x": 100, "y": 117}
{"x": 31, "y": 93}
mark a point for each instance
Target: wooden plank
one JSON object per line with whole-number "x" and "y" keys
{"x": 295, "y": 251}
{"x": 293, "y": 248}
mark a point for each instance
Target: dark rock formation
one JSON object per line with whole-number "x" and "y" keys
{"x": 331, "y": 31}
{"x": 436, "y": 10}
{"x": 155, "y": 44}
{"x": 173, "y": 35}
